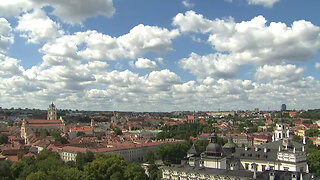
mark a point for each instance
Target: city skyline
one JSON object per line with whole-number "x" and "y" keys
{"x": 160, "y": 55}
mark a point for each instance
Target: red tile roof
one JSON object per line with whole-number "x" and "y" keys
{"x": 43, "y": 121}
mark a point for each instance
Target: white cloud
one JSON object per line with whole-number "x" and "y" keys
{"x": 265, "y": 3}
{"x": 6, "y": 37}
{"x": 219, "y": 65}
{"x": 248, "y": 42}
{"x": 72, "y": 11}
{"x": 143, "y": 63}
{"x": 317, "y": 65}
{"x": 188, "y": 4}
{"x": 96, "y": 46}
{"x": 9, "y": 66}
{"x": 261, "y": 43}
{"x": 192, "y": 22}
{"x": 163, "y": 79}
{"x": 160, "y": 60}
{"x": 76, "y": 11}
{"x": 28, "y": 24}
{"x": 280, "y": 74}
{"x": 14, "y": 8}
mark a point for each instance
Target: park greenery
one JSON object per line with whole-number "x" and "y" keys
{"x": 49, "y": 166}
{"x": 184, "y": 131}
{"x": 311, "y": 114}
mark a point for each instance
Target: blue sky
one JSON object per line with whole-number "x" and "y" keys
{"x": 162, "y": 55}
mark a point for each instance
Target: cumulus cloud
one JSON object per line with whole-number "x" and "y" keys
{"x": 97, "y": 46}
{"x": 28, "y": 24}
{"x": 143, "y": 63}
{"x": 192, "y": 22}
{"x": 317, "y": 65}
{"x": 219, "y": 65}
{"x": 14, "y": 8}
{"x": 9, "y": 66}
{"x": 249, "y": 42}
{"x": 6, "y": 37}
{"x": 76, "y": 11}
{"x": 265, "y": 3}
{"x": 188, "y": 4}
{"x": 280, "y": 73}
{"x": 72, "y": 11}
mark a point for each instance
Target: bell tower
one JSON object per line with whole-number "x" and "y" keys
{"x": 52, "y": 112}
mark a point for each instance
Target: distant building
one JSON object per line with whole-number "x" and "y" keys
{"x": 283, "y": 107}
{"x": 281, "y": 159}
{"x": 30, "y": 129}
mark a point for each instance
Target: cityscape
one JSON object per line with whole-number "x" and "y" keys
{"x": 160, "y": 145}
{"x": 159, "y": 90}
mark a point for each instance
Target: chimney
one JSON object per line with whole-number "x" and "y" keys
{"x": 294, "y": 176}
{"x": 254, "y": 169}
{"x": 271, "y": 175}
{"x": 294, "y": 150}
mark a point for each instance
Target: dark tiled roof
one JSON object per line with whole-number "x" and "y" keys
{"x": 275, "y": 145}
{"x": 251, "y": 153}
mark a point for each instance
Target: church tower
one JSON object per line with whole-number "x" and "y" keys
{"x": 281, "y": 131}
{"x": 52, "y": 112}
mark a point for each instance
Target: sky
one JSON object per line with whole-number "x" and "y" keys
{"x": 160, "y": 55}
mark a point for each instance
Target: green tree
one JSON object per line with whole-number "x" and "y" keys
{"x": 40, "y": 175}
{"x": 134, "y": 171}
{"x": 312, "y": 132}
{"x": 71, "y": 174}
{"x": 149, "y": 157}
{"x": 83, "y": 158}
{"x": 17, "y": 168}
{"x": 154, "y": 172}
{"x": 80, "y": 134}
{"x": 44, "y": 133}
{"x": 117, "y": 131}
{"x": 172, "y": 153}
{"x": 201, "y": 145}
{"x": 5, "y": 170}
{"x": 3, "y": 139}
{"x": 104, "y": 166}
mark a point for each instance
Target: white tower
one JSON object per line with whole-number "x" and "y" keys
{"x": 281, "y": 132}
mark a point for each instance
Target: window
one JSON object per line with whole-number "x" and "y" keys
{"x": 263, "y": 167}
{"x": 301, "y": 169}
{"x": 246, "y": 166}
{"x": 271, "y": 167}
{"x": 286, "y": 168}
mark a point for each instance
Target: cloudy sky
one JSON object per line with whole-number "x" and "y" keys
{"x": 160, "y": 55}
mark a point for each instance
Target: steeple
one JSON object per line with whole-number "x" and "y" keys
{"x": 52, "y": 112}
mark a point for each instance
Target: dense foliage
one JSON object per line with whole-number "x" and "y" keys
{"x": 3, "y": 139}
{"x": 48, "y": 165}
{"x": 183, "y": 131}
{"x": 312, "y": 114}
{"x": 313, "y": 157}
{"x": 172, "y": 153}
{"x": 312, "y": 132}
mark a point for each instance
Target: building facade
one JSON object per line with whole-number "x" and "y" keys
{"x": 282, "y": 156}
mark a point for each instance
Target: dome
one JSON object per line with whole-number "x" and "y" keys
{"x": 230, "y": 144}
{"x": 214, "y": 148}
